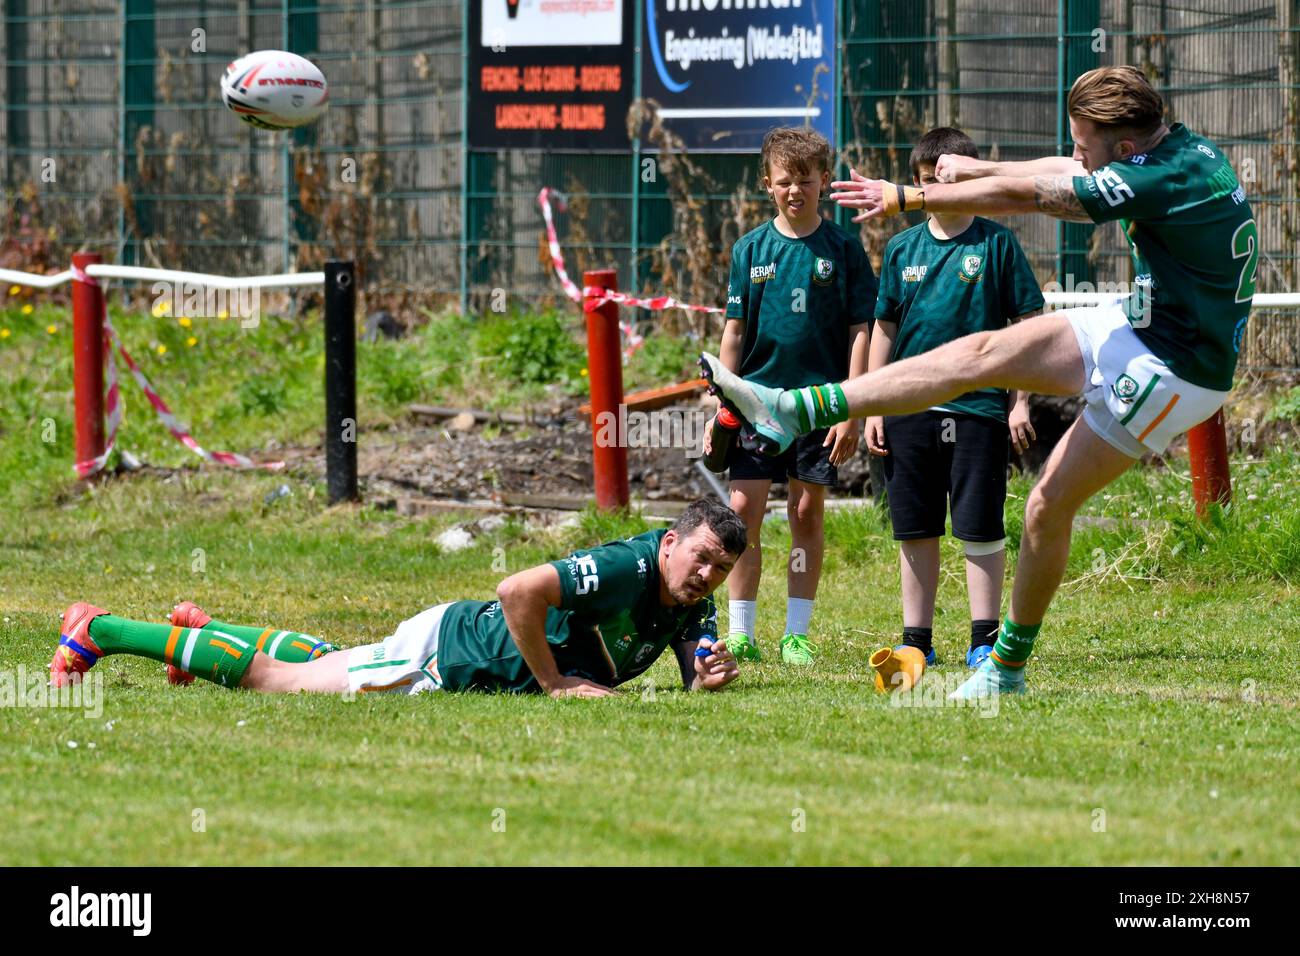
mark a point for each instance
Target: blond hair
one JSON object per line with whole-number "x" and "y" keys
{"x": 1117, "y": 97}
{"x": 798, "y": 149}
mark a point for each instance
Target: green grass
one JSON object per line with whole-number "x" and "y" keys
{"x": 1164, "y": 690}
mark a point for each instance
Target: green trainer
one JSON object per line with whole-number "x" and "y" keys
{"x": 797, "y": 649}
{"x": 743, "y": 647}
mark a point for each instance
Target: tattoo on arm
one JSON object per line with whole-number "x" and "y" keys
{"x": 1055, "y": 196}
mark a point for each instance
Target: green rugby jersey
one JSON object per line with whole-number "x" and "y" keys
{"x": 937, "y": 290}
{"x": 1194, "y": 247}
{"x": 609, "y": 626}
{"x": 798, "y": 299}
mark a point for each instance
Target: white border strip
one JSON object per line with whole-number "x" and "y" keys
{"x": 139, "y": 274}
{"x": 750, "y": 111}
{"x": 1262, "y": 300}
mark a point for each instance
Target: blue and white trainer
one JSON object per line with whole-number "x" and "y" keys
{"x": 767, "y": 415}
{"x": 990, "y": 680}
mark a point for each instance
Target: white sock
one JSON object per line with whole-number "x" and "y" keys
{"x": 798, "y": 614}
{"x": 741, "y": 616}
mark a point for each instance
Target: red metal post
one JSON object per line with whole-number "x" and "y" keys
{"x": 88, "y": 361}
{"x": 1207, "y": 447}
{"x": 605, "y": 373}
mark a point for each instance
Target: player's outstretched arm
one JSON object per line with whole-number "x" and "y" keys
{"x": 991, "y": 196}
{"x": 952, "y": 168}
{"x": 524, "y": 599}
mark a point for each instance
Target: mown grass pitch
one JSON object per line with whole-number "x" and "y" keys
{"x": 1161, "y": 727}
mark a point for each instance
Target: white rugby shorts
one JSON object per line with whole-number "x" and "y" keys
{"x": 1134, "y": 400}
{"x": 405, "y": 663}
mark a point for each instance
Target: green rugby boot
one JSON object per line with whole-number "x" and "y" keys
{"x": 797, "y": 649}
{"x": 743, "y": 647}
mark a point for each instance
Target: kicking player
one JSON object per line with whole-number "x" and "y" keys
{"x": 574, "y": 627}
{"x": 1149, "y": 368}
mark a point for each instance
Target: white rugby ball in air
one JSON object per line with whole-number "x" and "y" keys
{"x": 272, "y": 89}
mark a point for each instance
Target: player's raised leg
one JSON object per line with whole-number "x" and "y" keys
{"x": 1081, "y": 464}
{"x": 1040, "y": 354}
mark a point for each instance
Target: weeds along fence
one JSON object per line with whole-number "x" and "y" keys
{"x": 115, "y": 140}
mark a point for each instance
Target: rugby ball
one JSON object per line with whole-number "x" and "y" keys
{"x": 272, "y": 89}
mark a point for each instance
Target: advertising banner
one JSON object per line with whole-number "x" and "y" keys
{"x": 550, "y": 74}
{"x": 726, "y": 71}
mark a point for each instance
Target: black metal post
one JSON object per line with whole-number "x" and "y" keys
{"x": 341, "y": 380}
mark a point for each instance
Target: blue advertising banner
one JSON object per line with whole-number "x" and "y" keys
{"x": 726, "y": 71}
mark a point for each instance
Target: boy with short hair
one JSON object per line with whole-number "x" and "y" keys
{"x": 948, "y": 277}
{"x": 799, "y": 306}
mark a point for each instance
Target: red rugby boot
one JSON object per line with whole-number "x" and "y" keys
{"x": 185, "y": 614}
{"x": 76, "y": 652}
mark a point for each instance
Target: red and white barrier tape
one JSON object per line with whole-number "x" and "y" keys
{"x": 592, "y": 297}
{"x": 114, "y": 405}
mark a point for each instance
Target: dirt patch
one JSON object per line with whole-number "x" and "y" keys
{"x": 432, "y": 460}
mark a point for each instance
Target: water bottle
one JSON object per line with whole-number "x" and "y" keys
{"x": 726, "y": 428}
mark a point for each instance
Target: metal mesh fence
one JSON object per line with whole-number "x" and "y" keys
{"x": 115, "y": 139}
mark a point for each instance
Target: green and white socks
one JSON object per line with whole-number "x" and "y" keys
{"x": 211, "y": 654}
{"x": 816, "y": 406}
{"x": 1014, "y": 645}
{"x": 220, "y": 653}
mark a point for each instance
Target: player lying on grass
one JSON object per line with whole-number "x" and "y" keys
{"x": 1149, "y": 368}
{"x": 574, "y": 627}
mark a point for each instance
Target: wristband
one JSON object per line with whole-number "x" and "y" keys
{"x": 899, "y": 198}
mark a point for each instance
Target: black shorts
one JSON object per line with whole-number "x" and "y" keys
{"x": 805, "y": 460}
{"x": 937, "y": 455}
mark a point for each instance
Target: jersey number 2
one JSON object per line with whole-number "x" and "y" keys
{"x": 1245, "y": 242}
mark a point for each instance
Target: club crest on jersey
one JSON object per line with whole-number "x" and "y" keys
{"x": 823, "y": 269}
{"x": 1125, "y": 389}
{"x": 972, "y": 267}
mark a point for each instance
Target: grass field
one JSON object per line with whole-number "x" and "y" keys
{"x": 1162, "y": 726}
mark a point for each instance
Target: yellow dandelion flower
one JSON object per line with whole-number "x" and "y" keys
{"x": 4, "y": 333}
{"x": 161, "y": 350}
{"x": 161, "y": 308}
{"x": 27, "y": 309}
{"x": 191, "y": 341}
{"x": 15, "y": 289}
{"x": 51, "y": 329}
{"x": 184, "y": 322}
{"x": 584, "y": 373}
{"x": 223, "y": 314}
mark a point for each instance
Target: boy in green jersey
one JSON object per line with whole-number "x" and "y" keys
{"x": 799, "y": 305}
{"x": 948, "y": 277}
{"x": 1149, "y": 367}
{"x": 574, "y": 627}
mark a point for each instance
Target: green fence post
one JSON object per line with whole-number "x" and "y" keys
{"x": 635, "y": 284}
{"x": 1081, "y": 17}
{"x": 302, "y": 29}
{"x": 139, "y": 87}
{"x": 464, "y": 160}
